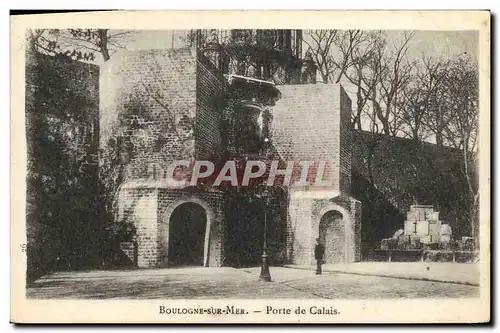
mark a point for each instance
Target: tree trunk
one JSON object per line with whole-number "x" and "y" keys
{"x": 356, "y": 123}
{"x": 385, "y": 126}
{"x": 415, "y": 134}
{"x": 439, "y": 139}
{"x": 103, "y": 43}
{"x": 474, "y": 194}
{"x": 475, "y": 223}
{"x": 379, "y": 115}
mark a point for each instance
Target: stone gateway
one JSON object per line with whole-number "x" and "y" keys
{"x": 164, "y": 106}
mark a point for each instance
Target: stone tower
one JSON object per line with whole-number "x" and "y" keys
{"x": 271, "y": 55}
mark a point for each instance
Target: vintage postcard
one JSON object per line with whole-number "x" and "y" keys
{"x": 250, "y": 167}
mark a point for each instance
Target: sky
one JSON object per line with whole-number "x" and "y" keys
{"x": 449, "y": 44}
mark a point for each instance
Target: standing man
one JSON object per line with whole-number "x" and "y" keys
{"x": 319, "y": 252}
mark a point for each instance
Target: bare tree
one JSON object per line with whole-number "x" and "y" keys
{"x": 355, "y": 56}
{"x": 321, "y": 45}
{"x": 334, "y": 50}
{"x": 394, "y": 74}
{"x": 346, "y": 55}
{"x": 423, "y": 114}
{"x": 462, "y": 101}
{"x": 194, "y": 37}
{"x": 461, "y": 97}
{"x": 79, "y": 44}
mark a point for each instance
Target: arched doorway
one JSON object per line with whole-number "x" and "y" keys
{"x": 332, "y": 236}
{"x": 187, "y": 235}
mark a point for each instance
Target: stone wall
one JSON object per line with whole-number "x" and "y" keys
{"x": 210, "y": 86}
{"x": 166, "y": 104}
{"x": 139, "y": 207}
{"x": 148, "y": 101}
{"x": 345, "y": 144}
{"x": 405, "y": 173}
{"x": 312, "y": 123}
{"x": 307, "y": 127}
{"x": 300, "y": 234}
{"x": 356, "y": 214}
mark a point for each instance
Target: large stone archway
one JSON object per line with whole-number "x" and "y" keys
{"x": 187, "y": 230}
{"x": 178, "y": 212}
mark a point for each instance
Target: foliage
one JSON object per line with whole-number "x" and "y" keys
{"x": 82, "y": 45}
{"x": 61, "y": 162}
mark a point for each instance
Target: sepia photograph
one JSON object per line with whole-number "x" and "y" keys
{"x": 279, "y": 164}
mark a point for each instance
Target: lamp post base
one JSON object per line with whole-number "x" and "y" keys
{"x": 265, "y": 275}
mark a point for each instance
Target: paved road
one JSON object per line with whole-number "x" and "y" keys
{"x": 433, "y": 271}
{"x": 210, "y": 283}
{"x": 353, "y": 286}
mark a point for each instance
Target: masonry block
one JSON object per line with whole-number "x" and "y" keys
{"x": 312, "y": 123}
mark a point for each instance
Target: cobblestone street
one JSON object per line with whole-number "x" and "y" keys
{"x": 225, "y": 283}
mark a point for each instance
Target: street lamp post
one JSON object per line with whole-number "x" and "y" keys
{"x": 265, "y": 275}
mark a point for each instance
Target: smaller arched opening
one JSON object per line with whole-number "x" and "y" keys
{"x": 332, "y": 236}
